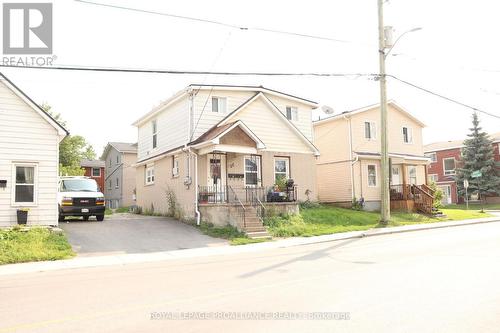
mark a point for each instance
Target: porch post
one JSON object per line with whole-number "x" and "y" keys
{"x": 426, "y": 175}
{"x": 403, "y": 172}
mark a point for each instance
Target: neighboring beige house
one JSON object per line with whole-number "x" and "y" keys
{"x": 119, "y": 180}
{"x": 29, "y": 158}
{"x": 221, "y": 149}
{"x": 349, "y": 165}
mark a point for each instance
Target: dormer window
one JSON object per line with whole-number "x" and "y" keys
{"x": 370, "y": 130}
{"x": 219, "y": 104}
{"x": 154, "y": 129}
{"x": 292, "y": 113}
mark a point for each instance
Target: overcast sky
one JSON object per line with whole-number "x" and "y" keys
{"x": 456, "y": 54}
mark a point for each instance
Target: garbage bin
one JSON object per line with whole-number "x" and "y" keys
{"x": 22, "y": 216}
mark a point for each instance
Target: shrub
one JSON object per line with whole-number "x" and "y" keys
{"x": 309, "y": 204}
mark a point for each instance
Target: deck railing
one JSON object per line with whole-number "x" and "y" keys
{"x": 422, "y": 195}
{"x": 246, "y": 194}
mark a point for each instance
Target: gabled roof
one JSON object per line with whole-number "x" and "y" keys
{"x": 275, "y": 109}
{"x": 16, "y": 90}
{"x": 213, "y": 135}
{"x": 92, "y": 163}
{"x": 454, "y": 144}
{"x": 184, "y": 92}
{"x": 369, "y": 108}
{"x": 122, "y": 147}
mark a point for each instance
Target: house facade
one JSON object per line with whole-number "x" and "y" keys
{"x": 220, "y": 151}
{"x": 445, "y": 157}
{"x": 119, "y": 180}
{"x": 95, "y": 169}
{"x": 349, "y": 165}
{"x": 29, "y": 158}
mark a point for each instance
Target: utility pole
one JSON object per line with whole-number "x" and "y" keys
{"x": 385, "y": 208}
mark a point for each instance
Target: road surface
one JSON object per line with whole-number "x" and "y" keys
{"x": 443, "y": 280}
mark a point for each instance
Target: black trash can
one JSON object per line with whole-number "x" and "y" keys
{"x": 22, "y": 216}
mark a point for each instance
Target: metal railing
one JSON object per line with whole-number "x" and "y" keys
{"x": 246, "y": 194}
{"x": 401, "y": 192}
{"x": 212, "y": 194}
{"x": 240, "y": 207}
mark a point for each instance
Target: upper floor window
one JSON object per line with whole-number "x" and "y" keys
{"x": 25, "y": 187}
{"x": 150, "y": 175}
{"x": 117, "y": 159}
{"x": 109, "y": 185}
{"x": 110, "y": 161}
{"x": 407, "y": 135}
{"x": 449, "y": 166}
{"x": 292, "y": 113}
{"x": 370, "y": 130}
{"x": 219, "y": 104}
{"x": 175, "y": 166}
{"x": 96, "y": 172}
{"x": 154, "y": 129}
{"x": 372, "y": 175}
{"x": 432, "y": 156}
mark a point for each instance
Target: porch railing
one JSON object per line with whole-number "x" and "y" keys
{"x": 401, "y": 192}
{"x": 422, "y": 195}
{"x": 240, "y": 207}
{"x": 247, "y": 194}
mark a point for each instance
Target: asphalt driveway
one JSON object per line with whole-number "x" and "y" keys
{"x": 130, "y": 233}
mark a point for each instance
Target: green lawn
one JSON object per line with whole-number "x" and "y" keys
{"x": 35, "y": 244}
{"x": 228, "y": 232}
{"x": 474, "y": 206}
{"x": 324, "y": 220}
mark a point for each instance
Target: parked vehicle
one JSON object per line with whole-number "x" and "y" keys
{"x": 80, "y": 196}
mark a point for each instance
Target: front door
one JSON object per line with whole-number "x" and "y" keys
{"x": 396, "y": 175}
{"x": 216, "y": 179}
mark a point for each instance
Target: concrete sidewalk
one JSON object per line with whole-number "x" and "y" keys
{"x": 81, "y": 262}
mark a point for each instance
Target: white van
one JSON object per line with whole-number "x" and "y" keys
{"x": 80, "y": 196}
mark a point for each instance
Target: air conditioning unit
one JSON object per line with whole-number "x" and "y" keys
{"x": 175, "y": 171}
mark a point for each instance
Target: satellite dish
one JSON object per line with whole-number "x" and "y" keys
{"x": 327, "y": 109}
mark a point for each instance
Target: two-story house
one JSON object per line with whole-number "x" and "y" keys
{"x": 226, "y": 153}
{"x": 29, "y": 158}
{"x": 119, "y": 181}
{"x": 445, "y": 157}
{"x": 349, "y": 165}
{"x": 94, "y": 169}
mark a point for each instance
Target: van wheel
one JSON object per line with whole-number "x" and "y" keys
{"x": 86, "y": 218}
{"x": 100, "y": 218}
{"x": 61, "y": 218}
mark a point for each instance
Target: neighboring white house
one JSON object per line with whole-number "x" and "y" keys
{"x": 29, "y": 158}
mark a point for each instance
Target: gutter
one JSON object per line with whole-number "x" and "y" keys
{"x": 350, "y": 155}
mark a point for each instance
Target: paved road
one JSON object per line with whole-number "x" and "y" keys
{"x": 443, "y": 280}
{"x": 131, "y": 233}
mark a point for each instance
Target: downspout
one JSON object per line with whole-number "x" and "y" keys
{"x": 189, "y": 151}
{"x": 353, "y": 194}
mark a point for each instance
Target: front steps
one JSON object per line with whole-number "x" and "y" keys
{"x": 253, "y": 226}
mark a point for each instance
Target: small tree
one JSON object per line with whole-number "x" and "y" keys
{"x": 438, "y": 195}
{"x": 71, "y": 170}
{"x": 477, "y": 155}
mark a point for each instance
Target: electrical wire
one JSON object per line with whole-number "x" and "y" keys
{"x": 444, "y": 97}
{"x": 220, "y": 23}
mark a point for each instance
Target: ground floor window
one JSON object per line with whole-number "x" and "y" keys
{"x": 25, "y": 184}
{"x": 281, "y": 169}
{"x": 150, "y": 175}
{"x": 252, "y": 170}
{"x": 412, "y": 174}
{"x": 372, "y": 175}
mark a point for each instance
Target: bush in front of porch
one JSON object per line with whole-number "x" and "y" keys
{"x": 327, "y": 219}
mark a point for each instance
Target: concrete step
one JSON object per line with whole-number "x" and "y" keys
{"x": 258, "y": 234}
{"x": 254, "y": 229}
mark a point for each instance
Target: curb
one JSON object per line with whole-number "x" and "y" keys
{"x": 124, "y": 259}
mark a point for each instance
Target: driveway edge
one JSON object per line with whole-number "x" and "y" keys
{"x": 125, "y": 259}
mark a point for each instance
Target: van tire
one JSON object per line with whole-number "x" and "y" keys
{"x": 100, "y": 218}
{"x": 61, "y": 218}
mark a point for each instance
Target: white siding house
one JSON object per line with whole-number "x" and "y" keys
{"x": 29, "y": 158}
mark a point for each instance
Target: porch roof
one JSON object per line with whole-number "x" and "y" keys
{"x": 394, "y": 155}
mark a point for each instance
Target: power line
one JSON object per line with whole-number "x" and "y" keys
{"x": 220, "y": 23}
{"x": 444, "y": 97}
{"x": 186, "y": 72}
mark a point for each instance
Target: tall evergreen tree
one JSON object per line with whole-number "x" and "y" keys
{"x": 477, "y": 155}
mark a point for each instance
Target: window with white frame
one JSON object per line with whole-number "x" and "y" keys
{"x": 117, "y": 159}
{"x": 117, "y": 184}
{"x": 150, "y": 175}
{"x": 219, "y": 104}
{"x": 281, "y": 168}
{"x": 252, "y": 170}
{"x": 412, "y": 174}
{"x": 449, "y": 166}
{"x": 175, "y": 166}
{"x": 432, "y": 156}
{"x": 292, "y": 113}
{"x": 370, "y": 130}
{"x": 432, "y": 178}
{"x": 407, "y": 135}
{"x": 154, "y": 130}
{"x": 25, "y": 184}
{"x": 372, "y": 175}
{"x": 96, "y": 172}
